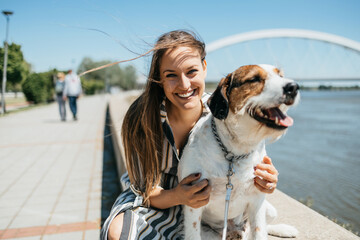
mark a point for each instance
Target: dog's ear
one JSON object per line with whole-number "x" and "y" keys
{"x": 218, "y": 101}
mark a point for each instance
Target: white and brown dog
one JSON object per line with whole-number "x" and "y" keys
{"x": 248, "y": 107}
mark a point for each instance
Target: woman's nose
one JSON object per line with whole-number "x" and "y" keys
{"x": 184, "y": 82}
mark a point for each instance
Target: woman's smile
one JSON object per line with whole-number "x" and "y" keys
{"x": 187, "y": 94}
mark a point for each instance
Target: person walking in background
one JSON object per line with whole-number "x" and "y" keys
{"x": 59, "y": 90}
{"x": 72, "y": 91}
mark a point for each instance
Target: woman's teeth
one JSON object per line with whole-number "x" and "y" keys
{"x": 185, "y": 95}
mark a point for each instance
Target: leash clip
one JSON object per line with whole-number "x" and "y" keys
{"x": 229, "y": 156}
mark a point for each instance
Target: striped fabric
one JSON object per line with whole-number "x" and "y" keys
{"x": 150, "y": 223}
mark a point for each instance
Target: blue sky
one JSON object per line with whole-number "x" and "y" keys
{"x": 53, "y": 33}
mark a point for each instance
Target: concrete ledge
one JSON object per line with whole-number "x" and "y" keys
{"x": 118, "y": 105}
{"x": 311, "y": 225}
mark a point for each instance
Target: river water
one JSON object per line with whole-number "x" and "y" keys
{"x": 319, "y": 157}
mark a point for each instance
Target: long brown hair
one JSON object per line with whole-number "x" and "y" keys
{"x": 142, "y": 133}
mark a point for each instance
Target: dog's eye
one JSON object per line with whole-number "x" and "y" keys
{"x": 254, "y": 79}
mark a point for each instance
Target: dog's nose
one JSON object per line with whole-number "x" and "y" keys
{"x": 291, "y": 89}
{"x": 290, "y": 92}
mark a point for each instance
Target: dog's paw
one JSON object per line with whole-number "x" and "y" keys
{"x": 235, "y": 234}
{"x": 271, "y": 212}
{"x": 282, "y": 230}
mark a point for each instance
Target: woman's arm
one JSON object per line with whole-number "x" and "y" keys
{"x": 184, "y": 193}
{"x": 266, "y": 176}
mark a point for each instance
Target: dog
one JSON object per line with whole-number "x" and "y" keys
{"x": 247, "y": 107}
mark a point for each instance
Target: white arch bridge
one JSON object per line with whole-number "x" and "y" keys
{"x": 303, "y": 54}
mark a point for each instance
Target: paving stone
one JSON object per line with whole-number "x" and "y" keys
{"x": 62, "y": 236}
{"x": 47, "y": 171}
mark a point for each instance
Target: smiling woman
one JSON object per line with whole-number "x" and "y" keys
{"x": 154, "y": 132}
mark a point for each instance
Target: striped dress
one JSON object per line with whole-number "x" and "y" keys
{"x": 146, "y": 222}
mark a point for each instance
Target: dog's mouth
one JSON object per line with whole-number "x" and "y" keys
{"x": 271, "y": 117}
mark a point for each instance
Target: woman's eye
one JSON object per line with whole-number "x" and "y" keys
{"x": 170, "y": 75}
{"x": 192, "y": 71}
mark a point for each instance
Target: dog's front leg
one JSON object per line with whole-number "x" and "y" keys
{"x": 192, "y": 223}
{"x": 257, "y": 219}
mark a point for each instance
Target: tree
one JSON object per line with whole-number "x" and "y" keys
{"x": 17, "y": 68}
{"x": 110, "y": 76}
{"x": 128, "y": 80}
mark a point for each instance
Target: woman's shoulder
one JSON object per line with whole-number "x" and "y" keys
{"x": 204, "y": 98}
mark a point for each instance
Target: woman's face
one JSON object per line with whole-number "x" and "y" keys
{"x": 182, "y": 75}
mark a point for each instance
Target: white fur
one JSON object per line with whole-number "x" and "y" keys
{"x": 241, "y": 134}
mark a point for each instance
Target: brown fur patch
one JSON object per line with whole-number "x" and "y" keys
{"x": 224, "y": 83}
{"x": 257, "y": 229}
{"x": 279, "y": 72}
{"x": 239, "y": 95}
{"x": 194, "y": 224}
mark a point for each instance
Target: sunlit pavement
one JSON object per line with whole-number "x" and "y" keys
{"x": 50, "y": 172}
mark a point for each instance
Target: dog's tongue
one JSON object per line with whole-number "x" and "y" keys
{"x": 284, "y": 120}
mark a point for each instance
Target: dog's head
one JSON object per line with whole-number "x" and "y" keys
{"x": 259, "y": 92}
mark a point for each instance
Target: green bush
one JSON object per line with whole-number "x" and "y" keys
{"x": 34, "y": 88}
{"x": 90, "y": 87}
{"x": 39, "y": 87}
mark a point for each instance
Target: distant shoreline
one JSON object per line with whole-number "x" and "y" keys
{"x": 327, "y": 88}
{"x": 211, "y": 86}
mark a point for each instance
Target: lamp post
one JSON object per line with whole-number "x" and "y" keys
{"x": 7, "y": 15}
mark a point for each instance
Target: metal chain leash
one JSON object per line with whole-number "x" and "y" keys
{"x": 231, "y": 158}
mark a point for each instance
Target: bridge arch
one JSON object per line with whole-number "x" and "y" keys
{"x": 283, "y": 33}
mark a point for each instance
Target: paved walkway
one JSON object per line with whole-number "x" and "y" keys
{"x": 51, "y": 172}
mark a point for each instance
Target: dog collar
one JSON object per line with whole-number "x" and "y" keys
{"x": 229, "y": 156}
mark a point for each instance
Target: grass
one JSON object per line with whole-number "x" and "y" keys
{"x": 19, "y": 100}
{"x": 12, "y": 100}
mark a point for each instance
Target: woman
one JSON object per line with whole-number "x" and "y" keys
{"x": 59, "y": 89}
{"x": 154, "y": 132}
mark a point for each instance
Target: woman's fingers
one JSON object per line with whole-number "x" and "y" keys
{"x": 189, "y": 179}
{"x": 267, "y": 166}
{"x": 193, "y": 192}
{"x": 266, "y": 170}
{"x": 204, "y": 193}
{"x": 200, "y": 186}
{"x": 264, "y": 186}
{"x": 201, "y": 198}
{"x": 201, "y": 203}
{"x": 266, "y": 176}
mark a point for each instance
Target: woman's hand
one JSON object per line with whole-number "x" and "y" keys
{"x": 193, "y": 195}
{"x": 266, "y": 176}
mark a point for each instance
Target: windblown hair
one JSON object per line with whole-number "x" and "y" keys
{"x": 142, "y": 132}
